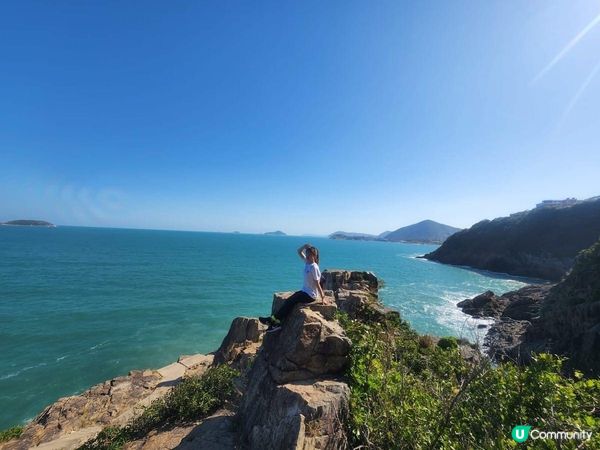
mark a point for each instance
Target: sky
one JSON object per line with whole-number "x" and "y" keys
{"x": 307, "y": 117}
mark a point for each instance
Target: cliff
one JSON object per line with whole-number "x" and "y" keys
{"x": 562, "y": 318}
{"x": 290, "y": 393}
{"x": 540, "y": 243}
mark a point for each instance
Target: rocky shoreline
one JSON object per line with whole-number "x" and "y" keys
{"x": 291, "y": 393}
{"x": 561, "y": 318}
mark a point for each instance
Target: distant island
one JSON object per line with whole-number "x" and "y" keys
{"x": 424, "y": 232}
{"x": 539, "y": 243}
{"x": 28, "y": 223}
{"x": 275, "y": 233}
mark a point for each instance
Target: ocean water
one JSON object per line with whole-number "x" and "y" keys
{"x": 81, "y": 305}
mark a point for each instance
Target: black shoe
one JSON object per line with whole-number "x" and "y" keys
{"x": 265, "y": 320}
{"x": 272, "y": 328}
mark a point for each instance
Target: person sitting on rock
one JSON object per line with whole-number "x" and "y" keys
{"x": 310, "y": 290}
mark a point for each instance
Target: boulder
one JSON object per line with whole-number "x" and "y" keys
{"x": 487, "y": 304}
{"x": 307, "y": 346}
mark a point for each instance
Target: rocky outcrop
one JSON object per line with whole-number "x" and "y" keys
{"x": 294, "y": 398}
{"x": 562, "y": 318}
{"x": 541, "y": 243}
{"x": 241, "y": 343}
{"x": 487, "y": 304}
{"x": 70, "y": 421}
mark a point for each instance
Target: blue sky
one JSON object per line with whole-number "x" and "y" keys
{"x": 307, "y": 117}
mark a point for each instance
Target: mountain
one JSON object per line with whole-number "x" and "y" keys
{"x": 539, "y": 243}
{"x": 425, "y": 231}
{"x": 275, "y": 233}
{"x": 28, "y": 223}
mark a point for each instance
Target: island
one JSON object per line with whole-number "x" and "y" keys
{"x": 275, "y": 233}
{"x": 28, "y": 223}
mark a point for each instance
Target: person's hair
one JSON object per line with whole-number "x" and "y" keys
{"x": 314, "y": 251}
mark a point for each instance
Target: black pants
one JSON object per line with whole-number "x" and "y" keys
{"x": 290, "y": 302}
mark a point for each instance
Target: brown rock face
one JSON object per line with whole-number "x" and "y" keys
{"x": 241, "y": 343}
{"x": 293, "y": 398}
{"x": 98, "y": 406}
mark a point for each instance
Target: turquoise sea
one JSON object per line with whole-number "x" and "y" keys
{"x": 81, "y": 305}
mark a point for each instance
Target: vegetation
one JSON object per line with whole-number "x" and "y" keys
{"x": 407, "y": 392}
{"x": 11, "y": 433}
{"x": 193, "y": 399}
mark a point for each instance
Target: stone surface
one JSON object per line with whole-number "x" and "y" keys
{"x": 70, "y": 421}
{"x": 293, "y": 398}
{"x": 307, "y": 346}
{"x": 217, "y": 432}
{"x": 487, "y": 304}
{"x": 241, "y": 343}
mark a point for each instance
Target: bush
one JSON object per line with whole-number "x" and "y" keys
{"x": 192, "y": 399}
{"x": 406, "y": 395}
{"x": 447, "y": 343}
{"x": 11, "y": 433}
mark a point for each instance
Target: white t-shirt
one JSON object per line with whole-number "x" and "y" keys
{"x": 312, "y": 275}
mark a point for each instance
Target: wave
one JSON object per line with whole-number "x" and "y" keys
{"x": 18, "y": 372}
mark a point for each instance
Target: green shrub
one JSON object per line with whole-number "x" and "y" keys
{"x": 406, "y": 395}
{"x": 11, "y": 433}
{"x": 447, "y": 343}
{"x": 192, "y": 399}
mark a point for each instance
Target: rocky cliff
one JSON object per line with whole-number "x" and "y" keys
{"x": 540, "y": 243}
{"x": 562, "y": 318}
{"x": 291, "y": 392}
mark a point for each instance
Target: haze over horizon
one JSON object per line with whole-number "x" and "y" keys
{"x": 308, "y": 118}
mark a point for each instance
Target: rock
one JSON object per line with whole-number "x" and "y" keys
{"x": 307, "y": 346}
{"x": 293, "y": 398}
{"x": 327, "y": 307}
{"x": 504, "y": 339}
{"x": 70, "y": 421}
{"x": 299, "y": 415}
{"x": 241, "y": 343}
{"x": 487, "y": 304}
{"x": 524, "y": 304}
{"x": 217, "y": 432}
{"x": 98, "y": 406}
{"x": 350, "y": 280}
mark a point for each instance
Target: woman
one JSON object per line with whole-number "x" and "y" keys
{"x": 311, "y": 288}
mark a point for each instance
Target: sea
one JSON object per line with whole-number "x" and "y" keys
{"x": 80, "y": 305}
